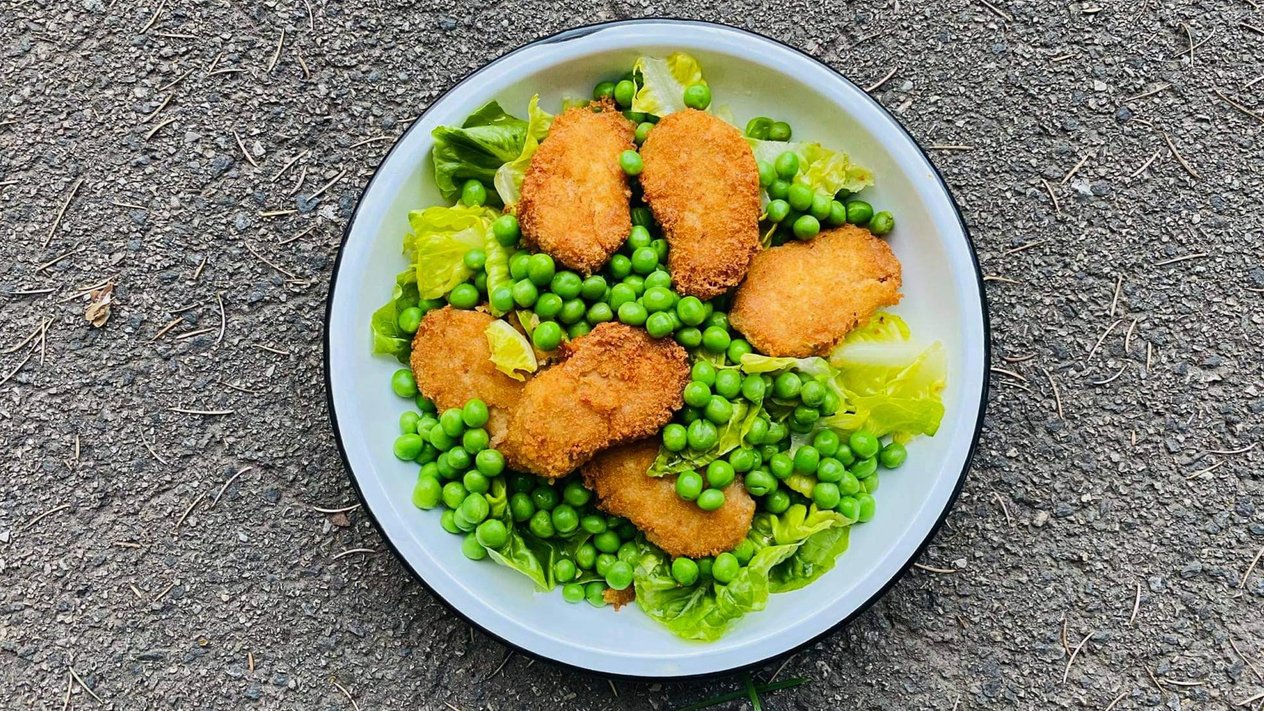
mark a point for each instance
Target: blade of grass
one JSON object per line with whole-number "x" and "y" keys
{"x": 754, "y": 695}
{"x": 735, "y": 695}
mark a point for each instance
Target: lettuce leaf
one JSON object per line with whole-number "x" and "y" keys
{"x": 388, "y": 337}
{"x": 791, "y": 550}
{"x": 823, "y": 170}
{"x": 511, "y": 353}
{"x": 661, "y": 83}
{"x": 487, "y": 139}
{"x": 890, "y": 385}
{"x": 438, "y": 242}
{"x": 508, "y": 180}
{"x": 731, "y": 435}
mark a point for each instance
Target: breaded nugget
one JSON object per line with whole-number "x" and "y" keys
{"x": 802, "y": 298}
{"x": 702, "y": 184}
{"x": 677, "y": 526}
{"x": 452, "y": 364}
{"x": 575, "y": 195}
{"x": 613, "y": 385}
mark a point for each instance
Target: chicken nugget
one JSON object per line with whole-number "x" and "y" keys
{"x": 802, "y": 298}
{"x": 702, "y": 184}
{"x": 575, "y": 194}
{"x": 452, "y": 364}
{"x": 613, "y": 385}
{"x": 677, "y": 526}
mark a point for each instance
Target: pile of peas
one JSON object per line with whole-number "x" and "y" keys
{"x": 459, "y": 470}
{"x": 696, "y": 96}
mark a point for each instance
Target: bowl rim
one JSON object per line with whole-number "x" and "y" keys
{"x": 574, "y": 33}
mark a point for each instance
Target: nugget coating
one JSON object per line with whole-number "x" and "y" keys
{"x": 802, "y": 298}
{"x": 677, "y": 526}
{"x": 702, "y": 184}
{"x": 452, "y": 364}
{"x": 575, "y": 196}
{"x": 615, "y": 384}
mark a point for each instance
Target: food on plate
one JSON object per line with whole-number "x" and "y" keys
{"x": 575, "y": 195}
{"x": 802, "y": 298}
{"x": 702, "y": 184}
{"x": 617, "y": 477}
{"x": 613, "y": 385}
{"x": 451, "y": 362}
{"x": 648, "y": 363}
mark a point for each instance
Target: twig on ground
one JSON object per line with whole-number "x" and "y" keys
{"x": 74, "y": 190}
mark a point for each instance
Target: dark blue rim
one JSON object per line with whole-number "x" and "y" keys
{"x": 576, "y": 33}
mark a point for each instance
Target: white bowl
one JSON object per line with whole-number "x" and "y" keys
{"x": 943, "y": 299}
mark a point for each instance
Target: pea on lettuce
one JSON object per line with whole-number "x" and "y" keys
{"x": 438, "y": 242}
{"x": 476, "y": 149}
{"x": 388, "y": 337}
{"x": 823, "y": 170}
{"x": 661, "y": 83}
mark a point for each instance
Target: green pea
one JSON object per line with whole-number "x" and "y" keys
{"x": 474, "y": 413}
{"x": 475, "y": 507}
{"x": 689, "y": 337}
{"x": 506, "y": 231}
{"x": 447, "y": 520}
{"x": 744, "y": 551}
{"x": 453, "y": 422}
{"x": 849, "y": 507}
{"x": 776, "y": 432}
{"x": 603, "y": 90}
{"x": 718, "y": 409}
{"x": 607, "y": 541}
{"x": 697, "y": 394}
{"x": 777, "y": 210}
{"x": 859, "y": 212}
{"x": 623, "y": 93}
{"x": 631, "y": 162}
{"x": 837, "y": 214}
{"x": 453, "y": 494}
{"x": 684, "y": 571}
{"x": 743, "y": 459}
{"x": 690, "y": 311}
{"x": 409, "y": 319}
{"x": 540, "y": 269}
{"x": 864, "y": 468}
{"x": 403, "y": 384}
{"x": 830, "y": 469}
{"x": 473, "y": 193}
{"x": 544, "y": 497}
{"x": 586, "y": 556}
{"x": 578, "y": 330}
{"x": 502, "y": 299}
{"x": 715, "y": 340}
{"x": 522, "y": 482}
{"x": 757, "y": 128}
{"x": 725, "y": 568}
{"x": 621, "y": 294}
{"x": 866, "y": 507}
{"x": 472, "y": 548}
{"x": 767, "y": 173}
{"x": 525, "y": 293}
{"x": 753, "y": 386}
{"x": 779, "y": 131}
{"x": 689, "y": 414}
{"x": 728, "y": 383}
{"x": 806, "y": 459}
{"x": 658, "y": 299}
{"x": 830, "y": 404}
{"x": 720, "y": 474}
{"x": 592, "y": 523}
{"x": 703, "y": 372}
{"x": 548, "y": 306}
{"x": 777, "y": 502}
{"x": 547, "y": 336}
{"x": 541, "y": 525}
{"x": 738, "y": 347}
{"x": 518, "y": 265}
{"x": 638, "y": 238}
{"x": 408, "y": 422}
{"x": 825, "y": 441}
{"x": 806, "y": 227}
{"x": 848, "y": 484}
{"x": 595, "y": 593}
{"x": 445, "y": 470}
{"x": 863, "y": 444}
{"x": 787, "y": 385}
{"x": 779, "y": 190}
{"x": 710, "y": 499}
{"x": 427, "y": 492}
{"x": 565, "y": 519}
{"x": 633, "y": 314}
{"x": 826, "y": 495}
{"x": 659, "y": 325}
{"x": 593, "y": 288}
{"x": 820, "y": 208}
{"x": 619, "y": 575}
{"x": 812, "y": 393}
{"x": 760, "y": 482}
{"x": 492, "y": 534}
{"x": 758, "y": 429}
{"x": 573, "y": 593}
{"x": 642, "y": 132}
{"x": 463, "y": 296}
{"x": 893, "y": 455}
{"x": 564, "y": 570}
{"x": 689, "y": 485}
{"x": 480, "y": 282}
{"x": 644, "y": 260}
{"x": 845, "y": 455}
{"x": 787, "y": 165}
{"x": 620, "y": 266}
{"x": 637, "y": 282}
{"x": 882, "y": 223}
{"x": 490, "y": 462}
{"x": 475, "y": 259}
{"x": 408, "y": 446}
{"x": 702, "y": 435}
{"x": 805, "y": 416}
{"x": 599, "y": 313}
{"x": 698, "y": 96}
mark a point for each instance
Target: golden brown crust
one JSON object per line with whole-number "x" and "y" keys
{"x": 677, "y": 526}
{"x": 452, "y": 364}
{"x": 702, "y": 183}
{"x": 575, "y": 195}
{"x": 802, "y": 298}
{"x": 614, "y": 384}
{"x": 619, "y": 598}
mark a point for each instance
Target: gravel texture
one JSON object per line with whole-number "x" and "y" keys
{"x": 1113, "y": 191}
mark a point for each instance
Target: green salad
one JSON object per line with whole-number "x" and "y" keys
{"x": 807, "y": 439}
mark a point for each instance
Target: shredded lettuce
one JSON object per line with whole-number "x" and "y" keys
{"x": 487, "y": 139}
{"x": 509, "y": 176}
{"x": 889, "y": 384}
{"x": 791, "y": 550}
{"x": 440, "y": 238}
{"x": 511, "y": 353}
{"x": 823, "y": 170}
{"x": 388, "y": 337}
{"x": 661, "y": 83}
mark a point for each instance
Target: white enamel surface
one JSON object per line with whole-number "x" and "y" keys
{"x": 749, "y": 76}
